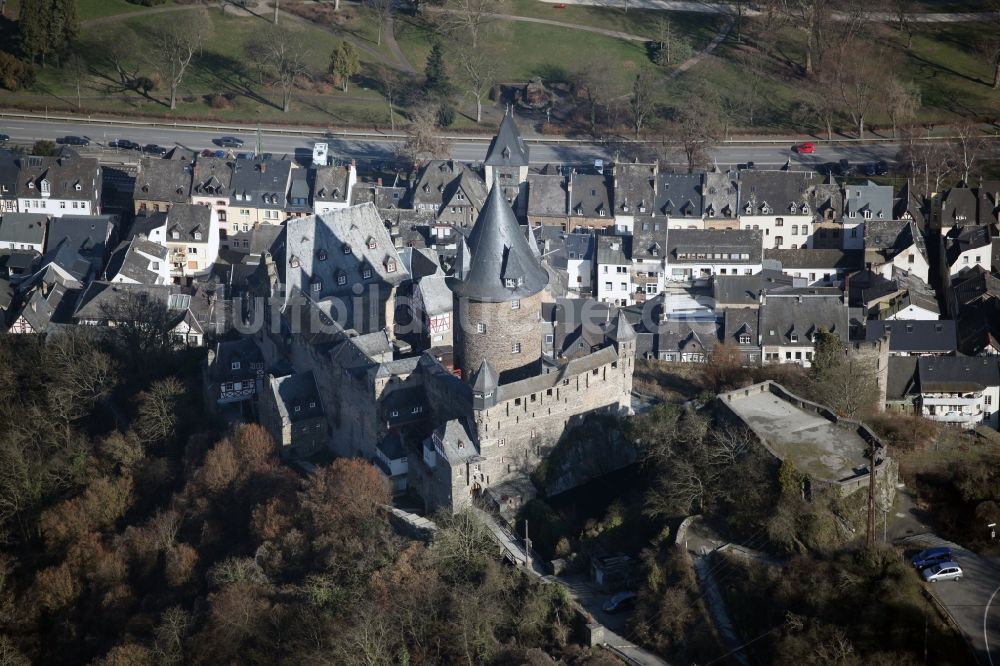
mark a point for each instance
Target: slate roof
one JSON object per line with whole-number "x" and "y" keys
{"x": 918, "y": 336}
{"x": 23, "y": 228}
{"x": 845, "y": 260}
{"x": 261, "y": 184}
{"x": 908, "y": 206}
{"x": 330, "y": 183}
{"x": 720, "y": 194}
{"x": 130, "y": 262}
{"x": 679, "y": 195}
{"x": 580, "y": 246}
{"x": 242, "y": 351}
{"x": 868, "y": 198}
{"x": 589, "y": 195}
{"x": 9, "y": 172}
{"x": 100, "y": 295}
{"x": 163, "y": 180}
{"x": 902, "y": 377}
{"x": 716, "y": 244}
{"x": 780, "y": 191}
{"x": 48, "y": 304}
{"x": 344, "y": 242}
{"x": 187, "y": 219}
{"x": 87, "y": 234}
{"x": 383, "y": 196}
{"x": 296, "y": 396}
{"x": 745, "y": 289}
{"x": 64, "y": 175}
{"x": 454, "y": 440}
{"x": 687, "y": 336}
{"x": 780, "y": 316}
{"x": 739, "y": 321}
{"x": 969, "y": 238}
{"x": 436, "y": 297}
{"x": 957, "y": 374}
{"x": 614, "y": 250}
{"x": 634, "y": 188}
{"x": 547, "y": 195}
{"x": 298, "y": 192}
{"x": 975, "y": 283}
{"x": 649, "y": 239}
{"x": 507, "y": 149}
{"x": 212, "y": 176}
{"x": 499, "y": 253}
{"x": 438, "y": 179}
{"x": 959, "y": 206}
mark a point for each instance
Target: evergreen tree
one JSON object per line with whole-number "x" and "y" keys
{"x": 64, "y": 27}
{"x": 436, "y": 75}
{"x": 344, "y": 63}
{"x": 35, "y": 27}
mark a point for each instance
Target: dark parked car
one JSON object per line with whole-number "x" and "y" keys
{"x": 871, "y": 169}
{"x": 4, "y": 138}
{"x": 124, "y": 144}
{"x": 244, "y": 156}
{"x": 931, "y": 556}
{"x": 74, "y": 141}
{"x": 154, "y": 149}
{"x": 844, "y": 168}
{"x": 882, "y": 168}
{"x": 229, "y": 142}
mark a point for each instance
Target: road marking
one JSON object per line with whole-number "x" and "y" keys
{"x": 986, "y": 614}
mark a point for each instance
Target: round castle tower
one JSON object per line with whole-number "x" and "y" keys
{"x": 497, "y": 285}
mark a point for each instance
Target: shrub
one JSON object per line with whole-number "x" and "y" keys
{"x": 43, "y": 148}
{"x": 15, "y": 74}
{"x": 218, "y": 101}
{"x": 446, "y": 115}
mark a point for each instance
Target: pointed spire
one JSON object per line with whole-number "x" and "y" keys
{"x": 486, "y": 378}
{"x": 533, "y": 241}
{"x": 502, "y": 266}
{"x": 507, "y": 148}
{"x": 462, "y": 259}
{"x": 621, "y": 330}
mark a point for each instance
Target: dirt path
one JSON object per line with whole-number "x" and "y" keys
{"x": 700, "y": 55}
{"x": 389, "y": 35}
{"x": 561, "y": 24}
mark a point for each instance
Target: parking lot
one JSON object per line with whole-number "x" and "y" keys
{"x": 974, "y": 601}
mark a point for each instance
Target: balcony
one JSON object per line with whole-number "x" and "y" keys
{"x": 947, "y": 402}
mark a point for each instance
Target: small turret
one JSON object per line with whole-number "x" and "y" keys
{"x": 484, "y": 387}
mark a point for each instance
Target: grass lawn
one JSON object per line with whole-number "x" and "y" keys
{"x": 91, "y": 9}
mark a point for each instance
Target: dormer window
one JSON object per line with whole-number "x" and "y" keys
{"x": 794, "y": 337}
{"x": 371, "y": 243}
{"x": 390, "y": 266}
{"x": 748, "y": 209}
{"x": 510, "y": 283}
{"x": 805, "y": 209}
{"x": 744, "y": 339}
{"x": 791, "y": 208}
{"x": 175, "y": 235}
{"x": 235, "y": 365}
{"x": 341, "y": 278}
{"x": 366, "y": 273}
{"x": 197, "y": 235}
{"x": 298, "y": 408}
{"x": 347, "y": 248}
{"x": 321, "y": 255}
{"x": 293, "y": 262}
{"x": 31, "y": 184}
{"x": 316, "y": 284}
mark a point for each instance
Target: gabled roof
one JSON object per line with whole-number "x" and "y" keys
{"x": 779, "y": 190}
{"x": 720, "y": 194}
{"x": 87, "y": 234}
{"x": 876, "y": 199}
{"x": 454, "y": 440}
{"x": 634, "y": 188}
{"x": 296, "y": 396}
{"x": 589, "y": 195}
{"x": 242, "y": 351}
{"x": 186, "y": 220}
{"x": 679, "y": 195}
{"x": 547, "y": 195}
{"x": 917, "y": 336}
{"x": 500, "y": 253}
{"x": 163, "y": 180}
{"x": 745, "y": 289}
{"x": 614, "y": 250}
{"x": 507, "y": 149}
{"x": 957, "y": 374}
{"x": 212, "y": 176}
{"x": 26, "y": 228}
{"x": 740, "y": 321}
{"x": 959, "y": 206}
{"x": 804, "y": 315}
{"x": 346, "y": 241}
{"x": 70, "y": 178}
{"x": 133, "y": 258}
{"x": 435, "y": 295}
{"x": 969, "y": 238}
{"x": 48, "y": 304}
{"x": 330, "y": 183}
{"x": 726, "y": 245}
{"x": 261, "y": 183}
{"x": 902, "y": 377}
{"x": 844, "y": 260}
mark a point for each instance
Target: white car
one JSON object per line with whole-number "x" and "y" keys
{"x": 943, "y": 571}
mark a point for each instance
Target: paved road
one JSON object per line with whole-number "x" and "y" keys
{"x": 974, "y": 601}
{"x": 723, "y": 8}
{"x": 764, "y": 156}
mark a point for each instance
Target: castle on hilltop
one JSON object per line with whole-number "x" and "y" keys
{"x": 449, "y": 423}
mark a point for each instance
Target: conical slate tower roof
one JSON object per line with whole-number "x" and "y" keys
{"x": 502, "y": 267}
{"x": 507, "y": 147}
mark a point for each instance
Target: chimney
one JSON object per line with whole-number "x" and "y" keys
{"x": 263, "y": 167}
{"x": 379, "y": 182}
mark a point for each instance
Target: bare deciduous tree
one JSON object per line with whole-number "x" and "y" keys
{"x": 382, "y": 9}
{"x": 176, "y": 44}
{"x": 901, "y": 103}
{"x": 643, "y": 101}
{"x": 282, "y": 59}
{"x": 969, "y": 147}
{"x": 479, "y": 70}
{"x": 694, "y": 130}
{"x": 860, "y": 77}
{"x": 813, "y": 17}
{"x": 422, "y": 138}
{"x": 465, "y": 21}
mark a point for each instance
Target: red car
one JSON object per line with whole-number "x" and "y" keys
{"x": 805, "y": 148}
{"x": 561, "y": 5}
